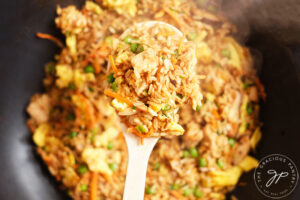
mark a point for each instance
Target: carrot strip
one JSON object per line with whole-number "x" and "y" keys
{"x": 50, "y": 37}
{"x": 177, "y": 195}
{"x": 94, "y": 186}
{"x": 174, "y": 16}
{"x": 113, "y": 65}
{"x": 118, "y": 97}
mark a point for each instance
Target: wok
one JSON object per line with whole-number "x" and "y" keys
{"x": 271, "y": 28}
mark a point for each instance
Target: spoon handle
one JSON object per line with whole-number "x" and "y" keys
{"x": 137, "y": 166}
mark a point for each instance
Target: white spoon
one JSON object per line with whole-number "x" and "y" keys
{"x": 139, "y": 153}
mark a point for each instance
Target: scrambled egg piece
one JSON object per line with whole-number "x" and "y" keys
{"x": 122, "y": 6}
{"x": 71, "y": 43}
{"x": 248, "y": 163}
{"x": 96, "y": 159}
{"x": 255, "y": 138}
{"x": 89, "y": 5}
{"x": 122, "y": 57}
{"x": 243, "y": 126}
{"x": 119, "y": 106}
{"x": 80, "y": 78}
{"x": 156, "y": 107}
{"x": 39, "y": 135}
{"x": 175, "y": 127}
{"x": 108, "y": 135}
{"x": 236, "y": 53}
{"x": 65, "y": 75}
{"x": 203, "y": 52}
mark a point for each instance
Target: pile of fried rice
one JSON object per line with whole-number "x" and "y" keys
{"x": 151, "y": 73}
{"x": 77, "y": 131}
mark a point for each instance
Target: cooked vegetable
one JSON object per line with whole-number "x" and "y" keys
{"x": 166, "y": 107}
{"x": 249, "y": 108}
{"x": 89, "y": 69}
{"x": 197, "y": 193}
{"x": 73, "y": 134}
{"x": 82, "y": 169}
{"x": 83, "y": 188}
{"x": 156, "y": 166}
{"x": 113, "y": 166}
{"x": 202, "y": 162}
{"x": 110, "y": 78}
{"x": 150, "y": 190}
{"x": 231, "y": 142}
{"x": 194, "y": 152}
{"x": 174, "y": 186}
{"x": 134, "y": 47}
{"x": 141, "y": 129}
{"x": 187, "y": 191}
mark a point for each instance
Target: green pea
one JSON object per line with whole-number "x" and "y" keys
{"x": 72, "y": 86}
{"x": 89, "y": 69}
{"x": 83, "y": 188}
{"x": 220, "y": 163}
{"x": 113, "y": 166}
{"x": 82, "y": 169}
{"x": 197, "y": 193}
{"x": 202, "y": 162}
{"x": 198, "y": 108}
{"x": 187, "y": 191}
{"x": 174, "y": 186}
{"x": 194, "y": 152}
{"x": 156, "y": 166}
{"x": 110, "y": 78}
{"x": 134, "y": 47}
{"x": 225, "y": 53}
{"x": 73, "y": 134}
{"x": 192, "y": 36}
{"x": 150, "y": 190}
{"x": 186, "y": 154}
{"x": 70, "y": 117}
{"x": 231, "y": 142}
{"x": 110, "y": 146}
{"x": 128, "y": 39}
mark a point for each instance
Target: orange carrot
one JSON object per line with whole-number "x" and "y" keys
{"x": 177, "y": 195}
{"x": 118, "y": 97}
{"x": 113, "y": 65}
{"x": 94, "y": 186}
{"x": 50, "y": 37}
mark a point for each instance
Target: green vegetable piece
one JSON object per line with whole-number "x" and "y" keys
{"x": 133, "y": 108}
{"x": 134, "y": 47}
{"x": 202, "y": 162}
{"x": 247, "y": 85}
{"x": 231, "y": 142}
{"x": 141, "y": 129}
{"x": 197, "y": 193}
{"x": 180, "y": 96}
{"x": 186, "y": 154}
{"x": 113, "y": 166}
{"x": 220, "y": 163}
{"x": 91, "y": 89}
{"x": 141, "y": 49}
{"x": 167, "y": 107}
{"x": 114, "y": 86}
{"x": 174, "y": 186}
{"x": 83, "y": 188}
{"x": 187, "y": 191}
{"x": 176, "y": 53}
{"x": 110, "y": 146}
{"x": 156, "y": 166}
{"x": 70, "y": 117}
{"x": 194, "y": 152}
{"x": 72, "y": 86}
{"x": 89, "y": 69}
{"x": 82, "y": 169}
{"x": 51, "y": 69}
{"x": 198, "y": 108}
{"x": 192, "y": 36}
{"x": 225, "y": 53}
{"x": 73, "y": 134}
{"x": 128, "y": 39}
{"x": 150, "y": 190}
{"x": 110, "y": 78}
{"x": 249, "y": 108}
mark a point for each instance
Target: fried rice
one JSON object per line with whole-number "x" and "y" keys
{"x": 77, "y": 133}
{"x": 153, "y": 73}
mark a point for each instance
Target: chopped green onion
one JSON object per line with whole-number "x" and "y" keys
{"x": 231, "y": 142}
{"x": 133, "y": 107}
{"x": 141, "y": 129}
{"x": 83, "y": 188}
{"x": 186, "y": 154}
{"x": 198, "y": 108}
{"x": 202, "y": 162}
{"x": 113, "y": 166}
{"x": 247, "y": 85}
{"x": 73, "y": 134}
{"x": 180, "y": 96}
{"x": 163, "y": 57}
{"x": 197, "y": 193}
{"x": 192, "y": 36}
{"x": 220, "y": 163}
{"x": 156, "y": 166}
{"x": 128, "y": 39}
{"x": 82, "y": 169}
{"x": 174, "y": 186}
{"x": 110, "y": 146}
{"x": 249, "y": 108}
{"x": 134, "y": 47}
{"x": 141, "y": 49}
{"x": 72, "y": 86}
{"x": 89, "y": 69}
{"x": 187, "y": 191}
{"x": 110, "y": 78}
{"x": 225, "y": 53}
{"x": 167, "y": 107}
{"x": 150, "y": 190}
{"x": 176, "y": 53}
{"x": 194, "y": 152}
{"x": 51, "y": 69}
{"x": 114, "y": 86}
{"x": 70, "y": 117}
{"x": 91, "y": 89}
